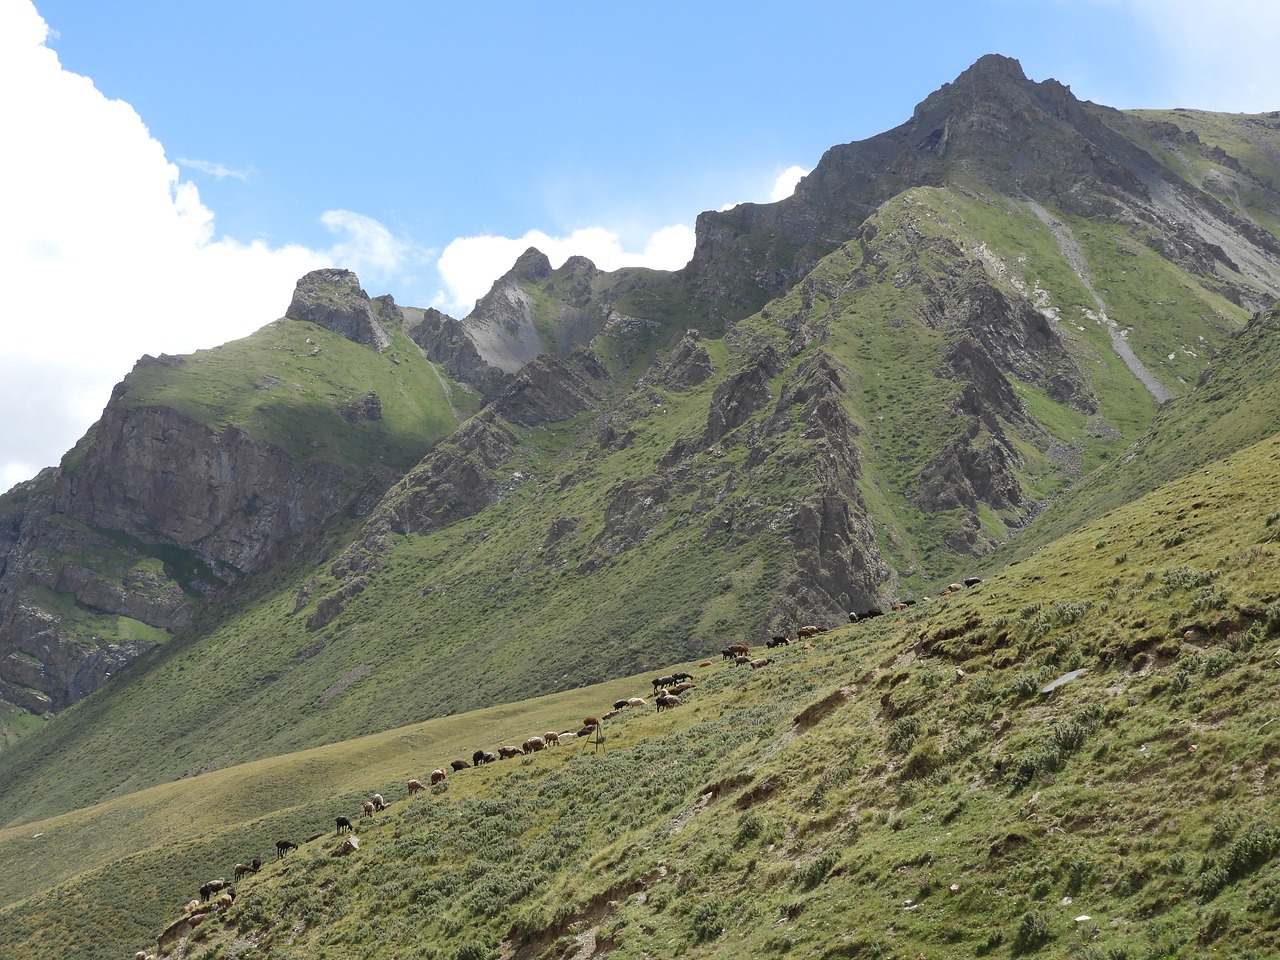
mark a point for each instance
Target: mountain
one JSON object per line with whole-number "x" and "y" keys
{"x": 366, "y": 514}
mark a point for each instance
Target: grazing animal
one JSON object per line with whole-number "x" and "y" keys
{"x": 551, "y": 737}
{"x": 677, "y": 677}
{"x": 587, "y": 732}
{"x": 662, "y": 682}
{"x": 243, "y": 868}
{"x": 367, "y": 806}
{"x": 972, "y": 581}
{"x": 636, "y": 702}
{"x": 741, "y": 658}
{"x": 591, "y": 721}
{"x": 705, "y": 663}
{"x": 809, "y": 630}
{"x": 761, "y": 662}
{"x": 667, "y": 702}
{"x": 533, "y": 744}
{"x": 437, "y": 776}
{"x": 727, "y": 654}
{"x": 344, "y": 822}
{"x": 619, "y": 704}
{"x": 314, "y": 836}
{"x": 477, "y": 758}
{"x": 415, "y": 786}
{"x": 459, "y": 765}
{"x": 213, "y": 886}
{"x": 192, "y": 906}
{"x": 778, "y": 642}
{"x": 507, "y": 752}
{"x": 490, "y": 757}
{"x": 227, "y": 899}
{"x": 681, "y": 687}
{"x": 611, "y": 714}
{"x": 378, "y": 803}
{"x": 738, "y": 648}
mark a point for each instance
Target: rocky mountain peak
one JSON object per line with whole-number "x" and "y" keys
{"x": 533, "y": 264}
{"x": 333, "y": 298}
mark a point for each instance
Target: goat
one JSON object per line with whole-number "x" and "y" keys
{"x": 415, "y": 786}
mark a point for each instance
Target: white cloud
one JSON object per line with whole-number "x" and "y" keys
{"x": 470, "y": 265}
{"x": 219, "y": 171}
{"x": 785, "y": 185}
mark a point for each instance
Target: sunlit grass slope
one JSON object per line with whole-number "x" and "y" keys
{"x": 916, "y": 785}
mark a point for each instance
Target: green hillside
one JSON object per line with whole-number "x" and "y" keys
{"x": 915, "y": 785}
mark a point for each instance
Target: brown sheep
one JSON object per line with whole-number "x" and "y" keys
{"x": 243, "y": 868}
{"x": 457, "y": 765}
{"x": 551, "y": 737}
{"x": 591, "y": 721}
{"x": 761, "y": 662}
{"x": 415, "y": 786}
{"x": 437, "y": 776}
{"x": 612, "y": 714}
{"x": 507, "y": 752}
{"x": 227, "y": 899}
{"x": 681, "y": 687}
{"x": 805, "y": 632}
{"x": 667, "y": 702}
{"x": 367, "y": 807}
{"x": 533, "y": 744}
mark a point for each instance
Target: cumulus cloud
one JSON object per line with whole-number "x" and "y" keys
{"x": 469, "y": 266}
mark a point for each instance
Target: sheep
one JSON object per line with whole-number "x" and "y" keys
{"x": 568, "y": 735}
{"x": 619, "y": 704}
{"x": 415, "y": 786}
{"x": 227, "y": 899}
{"x": 207, "y": 890}
{"x": 680, "y": 688}
{"x": 314, "y": 836}
{"x": 611, "y": 715}
{"x": 741, "y": 658}
{"x": 508, "y": 751}
{"x": 458, "y": 765}
{"x": 805, "y": 632}
{"x": 367, "y": 807}
{"x": 636, "y": 702}
{"x": 662, "y": 682}
{"x": 477, "y": 758}
{"x": 191, "y": 907}
{"x": 591, "y": 721}
{"x": 586, "y": 733}
{"x": 678, "y": 677}
{"x": 437, "y": 776}
{"x": 667, "y": 702}
{"x": 704, "y": 663}
{"x": 777, "y": 642}
{"x": 551, "y": 737}
{"x": 378, "y": 803}
{"x": 761, "y": 662}
{"x": 533, "y": 744}
{"x": 344, "y": 822}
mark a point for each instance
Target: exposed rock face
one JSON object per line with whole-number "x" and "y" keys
{"x": 230, "y": 499}
{"x": 1022, "y": 138}
{"x": 549, "y": 390}
{"x": 333, "y": 299}
{"x": 363, "y": 409}
{"x": 690, "y": 363}
{"x": 445, "y": 341}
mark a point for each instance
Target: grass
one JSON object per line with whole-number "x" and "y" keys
{"x": 902, "y": 788}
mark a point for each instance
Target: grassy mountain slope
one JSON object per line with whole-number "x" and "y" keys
{"x": 635, "y": 533}
{"x": 906, "y": 787}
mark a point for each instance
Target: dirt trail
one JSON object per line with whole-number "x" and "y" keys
{"x": 1070, "y": 248}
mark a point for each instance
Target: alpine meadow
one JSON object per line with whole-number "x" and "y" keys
{"x": 898, "y": 579}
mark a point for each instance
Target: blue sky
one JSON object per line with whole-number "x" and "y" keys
{"x": 177, "y": 167}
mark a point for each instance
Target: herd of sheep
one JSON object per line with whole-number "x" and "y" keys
{"x": 217, "y": 896}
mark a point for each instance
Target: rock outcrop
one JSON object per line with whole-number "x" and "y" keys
{"x": 334, "y": 299}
